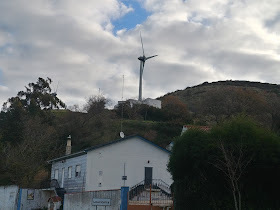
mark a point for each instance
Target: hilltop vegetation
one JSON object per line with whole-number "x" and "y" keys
{"x": 211, "y": 103}
{"x": 233, "y": 166}
{"x": 34, "y": 124}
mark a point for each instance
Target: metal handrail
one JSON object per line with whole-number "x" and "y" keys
{"x": 154, "y": 184}
{"x": 54, "y": 183}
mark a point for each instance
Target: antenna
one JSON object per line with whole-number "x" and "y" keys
{"x": 142, "y": 64}
{"x": 54, "y": 94}
{"x": 122, "y": 133}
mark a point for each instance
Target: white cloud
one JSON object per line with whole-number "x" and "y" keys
{"x": 197, "y": 40}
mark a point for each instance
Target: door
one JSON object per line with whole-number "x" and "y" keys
{"x": 62, "y": 178}
{"x": 148, "y": 175}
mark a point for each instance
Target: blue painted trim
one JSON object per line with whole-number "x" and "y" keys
{"x": 19, "y": 199}
{"x": 124, "y": 197}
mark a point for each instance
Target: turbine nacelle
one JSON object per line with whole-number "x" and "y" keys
{"x": 144, "y": 58}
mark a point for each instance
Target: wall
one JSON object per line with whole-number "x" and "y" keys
{"x": 40, "y": 199}
{"x": 142, "y": 207}
{"x": 152, "y": 102}
{"x": 74, "y": 184}
{"x": 8, "y": 197}
{"x": 105, "y": 165}
{"x": 84, "y": 200}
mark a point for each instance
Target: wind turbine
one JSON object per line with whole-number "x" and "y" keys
{"x": 142, "y": 64}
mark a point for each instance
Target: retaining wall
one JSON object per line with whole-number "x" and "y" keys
{"x": 85, "y": 200}
{"x": 8, "y": 197}
{"x": 39, "y": 201}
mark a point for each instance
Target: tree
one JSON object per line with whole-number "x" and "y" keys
{"x": 36, "y": 100}
{"x": 37, "y": 96}
{"x": 235, "y": 165}
{"x": 273, "y": 110}
{"x": 96, "y": 104}
{"x": 27, "y": 158}
{"x": 95, "y": 108}
{"x": 175, "y": 109}
{"x": 229, "y": 101}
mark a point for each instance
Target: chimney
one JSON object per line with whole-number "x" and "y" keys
{"x": 68, "y": 146}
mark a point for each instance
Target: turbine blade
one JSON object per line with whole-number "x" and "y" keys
{"x": 151, "y": 57}
{"x": 142, "y": 45}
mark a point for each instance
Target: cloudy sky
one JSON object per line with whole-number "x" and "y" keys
{"x": 86, "y": 46}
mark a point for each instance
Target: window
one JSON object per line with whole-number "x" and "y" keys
{"x": 70, "y": 172}
{"x": 78, "y": 171}
{"x": 56, "y": 174}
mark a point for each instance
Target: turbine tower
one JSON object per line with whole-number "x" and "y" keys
{"x": 142, "y": 64}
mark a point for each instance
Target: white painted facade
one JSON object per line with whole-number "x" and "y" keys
{"x": 152, "y": 102}
{"x": 148, "y": 101}
{"x": 105, "y": 165}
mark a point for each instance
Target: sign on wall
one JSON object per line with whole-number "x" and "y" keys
{"x": 30, "y": 194}
{"x": 101, "y": 202}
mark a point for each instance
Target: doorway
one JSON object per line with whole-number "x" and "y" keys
{"x": 148, "y": 176}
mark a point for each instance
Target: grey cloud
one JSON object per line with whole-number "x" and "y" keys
{"x": 68, "y": 42}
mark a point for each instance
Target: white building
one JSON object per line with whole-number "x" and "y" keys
{"x": 152, "y": 102}
{"x": 148, "y": 101}
{"x": 105, "y": 166}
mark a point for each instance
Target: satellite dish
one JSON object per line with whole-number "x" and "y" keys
{"x": 122, "y": 134}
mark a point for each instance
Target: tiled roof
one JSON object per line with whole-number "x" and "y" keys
{"x": 106, "y": 144}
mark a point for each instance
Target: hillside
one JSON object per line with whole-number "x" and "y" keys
{"x": 32, "y": 131}
{"x": 210, "y": 103}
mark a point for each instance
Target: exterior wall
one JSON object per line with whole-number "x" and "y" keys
{"x": 8, "y": 197}
{"x": 84, "y": 200}
{"x": 147, "y": 207}
{"x": 105, "y": 165}
{"x": 73, "y": 184}
{"x": 153, "y": 102}
{"x": 40, "y": 199}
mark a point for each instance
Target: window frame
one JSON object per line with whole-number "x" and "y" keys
{"x": 56, "y": 172}
{"x": 78, "y": 173}
{"x": 69, "y": 172}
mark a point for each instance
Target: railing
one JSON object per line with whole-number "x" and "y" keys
{"x": 162, "y": 185}
{"x": 155, "y": 192}
{"x": 54, "y": 183}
